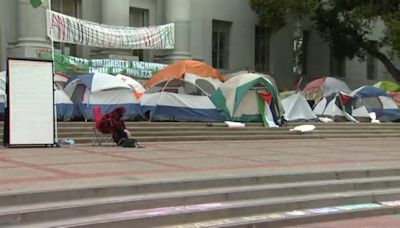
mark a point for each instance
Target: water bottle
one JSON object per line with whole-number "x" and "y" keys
{"x": 61, "y": 142}
{"x": 70, "y": 142}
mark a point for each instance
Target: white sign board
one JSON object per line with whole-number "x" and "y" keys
{"x": 30, "y": 102}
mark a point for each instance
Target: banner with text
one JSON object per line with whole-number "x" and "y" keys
{"x": 66, "y": 29}
{"x": 70, "y": 65}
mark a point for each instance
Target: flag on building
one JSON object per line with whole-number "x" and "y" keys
{"x": 36, "y": 3}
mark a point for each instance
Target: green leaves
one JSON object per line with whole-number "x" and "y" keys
{"x": 392, "y": 22}
{"x": 272, "y": 13}
{"x": 342, "y": 23}
{"x": 346, "y": 25}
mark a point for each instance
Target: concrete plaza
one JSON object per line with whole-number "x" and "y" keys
{"x": 31, "y": 169}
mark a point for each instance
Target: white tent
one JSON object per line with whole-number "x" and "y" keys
{"x": 297, "y": 108}
{"x": 327, "y": 107}
{"x": 207, "y": 84}
{"x": 90, "y": 90}
{"x": 64, "y": 105}
{"x": 60, "y": 79}
{"x": 323, "y": 87}
{"x": 331, "y": 107}
{"x": 178, "y": 100}
{"x": 132, "y": 83}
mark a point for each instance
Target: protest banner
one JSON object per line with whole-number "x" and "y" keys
{"x": 70, "y": 65}
{"x": 66, "y": 29}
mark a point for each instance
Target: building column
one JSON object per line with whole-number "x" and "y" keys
{"x": 32, "y": 32}
{"x": 178, "y": 12}
{"x": 114, "y": 13}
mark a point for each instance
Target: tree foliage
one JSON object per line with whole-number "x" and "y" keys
{"x": 346, "y": 25}
{"x": 272, "y": 13}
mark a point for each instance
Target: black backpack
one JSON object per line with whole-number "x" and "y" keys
{"x": 127, "y": 142}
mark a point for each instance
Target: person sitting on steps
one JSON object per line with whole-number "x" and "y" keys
{"x": 113, "y": 123}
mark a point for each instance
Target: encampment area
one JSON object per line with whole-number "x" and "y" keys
{"x": 193, "y": 91}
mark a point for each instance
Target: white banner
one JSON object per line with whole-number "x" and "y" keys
{"x": 66, "y": 29}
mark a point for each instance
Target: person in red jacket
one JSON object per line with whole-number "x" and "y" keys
{"x": 113, "y": 123}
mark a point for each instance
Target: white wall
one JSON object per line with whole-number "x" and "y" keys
{"x": 242, "y": 31}
{"x": 281, "y": 58}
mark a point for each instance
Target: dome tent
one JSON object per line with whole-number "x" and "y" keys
{"x": 341, "y": 107}
{"x": 238, "y": 99}
{"x": 180, "y": 68}
{"x": 134, "y": 85}
{"x": 297, "y": 108}
{"x": 377, "y": 101}
{"x": 104, "y": 90}
{"x": 387, "y": 86}
{"x": 323, "y": 87}
{"x": 65, "y": 108}
{"x": 178, "y": 100}
{"x": 392, "y": 88}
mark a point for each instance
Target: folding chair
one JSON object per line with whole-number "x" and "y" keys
{"x": 99, "y": 137}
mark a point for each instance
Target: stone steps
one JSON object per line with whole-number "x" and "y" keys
{"x": 82, "y": 132}
{"x": 224, "y": 201}
{"x": 195, "y": 132}
{"x": 89, "y": 140}
{"x": 292, "y": 218}
{"x": 207, "y": 128}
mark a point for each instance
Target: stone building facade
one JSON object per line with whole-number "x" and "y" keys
{"x": 223, "y": 33}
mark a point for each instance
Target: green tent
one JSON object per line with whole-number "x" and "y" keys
{"x": 239, "y": 99}
{"x": 388, "y": 86}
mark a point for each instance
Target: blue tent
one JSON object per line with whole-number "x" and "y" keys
{"x": 96, "y": 89}
{"x": 378, "y": 101}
